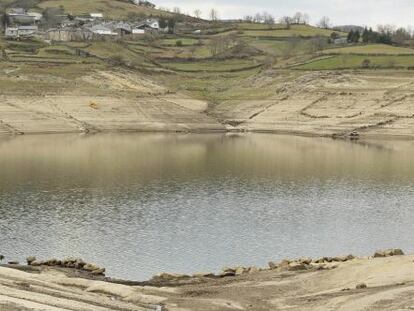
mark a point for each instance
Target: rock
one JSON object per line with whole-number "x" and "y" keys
{"x": 53, "y": 262}
{"x": 240, "y": 271}
{"x": 394, "y": 252}
{"x": 328, "y": 259}
{"x": 36, "y": 263}
{"x": 305, "y": 261}
{"x": 388, "y": 253}
{"x": 284, "y": 263}
{"x": 361, "y": 286}
{"x": 354, "y": 134}
{"x": 320, "y": 260}
{"x": 297, "y": 266}
{"x": 79, "y": 264}
{"x": 350, "y": 257}
{"x": 379, "y": 254}
{"x": 100, "y": 271}
{"x": 339, "y": 259}
{"x": 272, "y": 265}
{"x": 69, "y": 262}
{"x": 226, "y": 272}
{"x": 203, "y": 275}
{"x": 30, "y": 259}
{"x": 168, "y": 276}
{"x": 13, "y": 262}
{"x": 88, "y": 267}
{"x": 253, "y": 270}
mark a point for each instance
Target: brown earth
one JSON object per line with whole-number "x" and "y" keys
{"x": 389, "y": 286}
{"x": 373, "y": 103}
{"x": 114, "y": 100}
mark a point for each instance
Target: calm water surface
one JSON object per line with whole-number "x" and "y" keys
{"x": 140, "y": 204}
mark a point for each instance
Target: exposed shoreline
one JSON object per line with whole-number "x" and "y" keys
{"x": 384, "y": 281}
{"x": 373, "y": 105}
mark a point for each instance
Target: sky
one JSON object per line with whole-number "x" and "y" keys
{"x": 341, "y": 12}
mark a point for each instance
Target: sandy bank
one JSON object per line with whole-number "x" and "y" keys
{"x": 375, "y": 104}
{"x": 357, "y": 284}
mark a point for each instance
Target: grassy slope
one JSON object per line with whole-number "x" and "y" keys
{"x": 355, "y": 61}
{"x": 110, "y": 8}
{"x": 378, "y": 49}
{"x": 294, "y": 31}
{"x": 203, "y": 76}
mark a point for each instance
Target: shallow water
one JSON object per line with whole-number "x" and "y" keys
{"x": 140, "y": 204}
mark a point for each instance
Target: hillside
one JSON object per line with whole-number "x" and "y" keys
{"x": 213, "y": 76}
{"x": 115, "y": 9}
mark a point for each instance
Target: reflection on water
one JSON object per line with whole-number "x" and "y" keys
{"x": 140, "y": 204}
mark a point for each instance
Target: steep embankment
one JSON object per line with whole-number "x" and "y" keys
{"x": 357, "y": 284}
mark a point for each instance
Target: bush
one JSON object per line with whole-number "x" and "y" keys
{"x": 366, "y": 63}
{"x": 116, "y": 60}
{"x": 179, "y": 43}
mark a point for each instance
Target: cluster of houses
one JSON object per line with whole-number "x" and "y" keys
{"x": 23, "y": 24}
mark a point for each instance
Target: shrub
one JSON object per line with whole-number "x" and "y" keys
{"x": 116, "y": 60}
{"x": 179, "y": 43}
{"x": 366, "y": 63}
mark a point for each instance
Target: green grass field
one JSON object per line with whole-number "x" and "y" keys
{"x": 372, "y": 49}
{"x": 356, "y": 61}
{"x": 212, "y": 65}
{"x": 184, "y": 41}
{"x": 295, "y": 31}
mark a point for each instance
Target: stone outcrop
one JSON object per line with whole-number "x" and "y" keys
{"x": 388, "y": 253}
{"x": 69, "y": 263}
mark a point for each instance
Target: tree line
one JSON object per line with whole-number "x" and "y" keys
{"x": 385, "y": 34}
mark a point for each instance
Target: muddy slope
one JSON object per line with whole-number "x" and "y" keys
{"x": 376, "y": 104}
{"x": 115, "y": 100}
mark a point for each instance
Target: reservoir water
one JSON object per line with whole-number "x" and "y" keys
{"x": 140, "y": 204}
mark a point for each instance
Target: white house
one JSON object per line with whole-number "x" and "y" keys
{"x": 96, "y": 15}
{"x": 149, "y": 24}
{"x": 340, "y": 41}
{"x": 102, "y": 30}
{"x": 21, "y": 31}
{"x": 153, "y": 23}
{"x": 138, "y": 31}
{"x": 37, "y": 17}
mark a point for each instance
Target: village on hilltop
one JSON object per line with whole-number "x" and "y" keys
{"x": 57, "y": 25}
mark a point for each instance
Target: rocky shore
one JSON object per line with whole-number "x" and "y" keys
{"x": 384, "y": 281}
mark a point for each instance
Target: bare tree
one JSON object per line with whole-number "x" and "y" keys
{"x": 317, "y": 44}
{"x": 268, "y": 18}
{"x": 258, "y": 18}
{"x": 287, "y": 21}
{"x": 248, "y": 18}
{"x": 197, "y": 13}
{"x": 219, "y": 44}
{"x": 305, "y": 19}
{"x": 213, "y": 15}
{"x": 325, "y": 22}
{"x": 300, "y": 18}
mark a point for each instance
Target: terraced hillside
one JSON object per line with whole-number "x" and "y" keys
{"x": 227, "y": 76}
{"x": 116, "y": 9}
